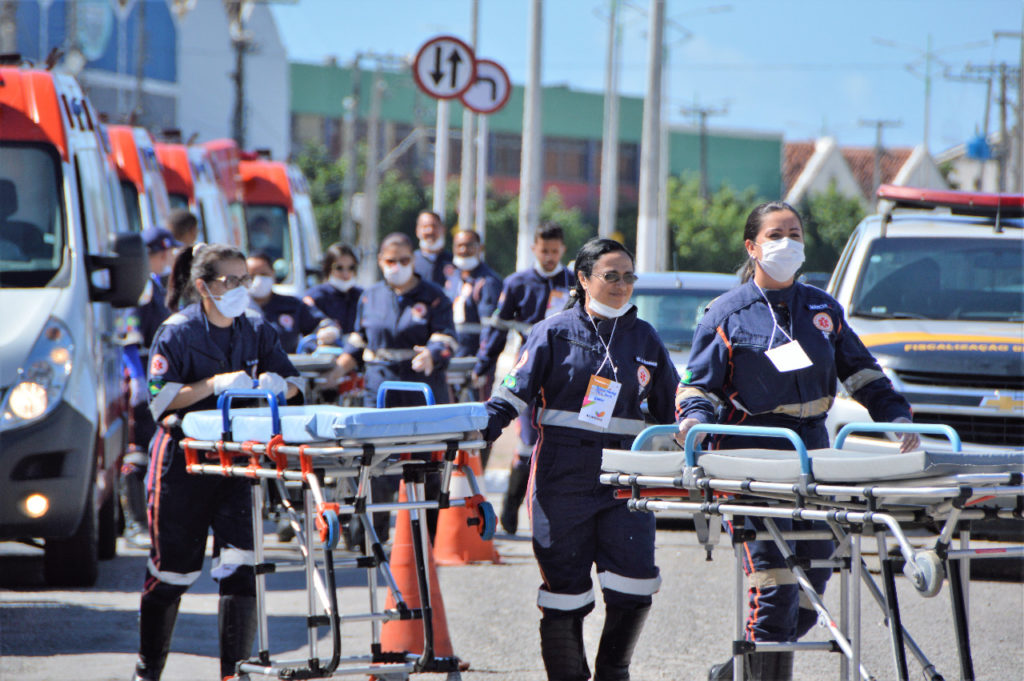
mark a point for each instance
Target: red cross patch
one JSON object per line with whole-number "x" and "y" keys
{"x": 158, "y": 365}
{"x": 823, "y": 321}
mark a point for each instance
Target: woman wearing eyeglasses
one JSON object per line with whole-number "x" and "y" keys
{"x": 338, "y": 295}
{"x": 215, "y": 343}
{"x": 589, "y": 369}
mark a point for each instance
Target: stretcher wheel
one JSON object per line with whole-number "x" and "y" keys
{"x": 330, "y": 530}
{"x": 488, "y": 520}
{"x": 929, "y": 573}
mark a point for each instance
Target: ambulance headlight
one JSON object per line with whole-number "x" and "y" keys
{"x": 41, "y": 379}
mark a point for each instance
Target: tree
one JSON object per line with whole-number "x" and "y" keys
{"x": 829, "y": 219}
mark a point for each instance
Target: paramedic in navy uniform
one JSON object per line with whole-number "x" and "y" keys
{"x": 433, "y": 262}
{"x": 338, "y": 295}
{"x": 589, "y": 368}
{"x": 214, "y": 344}
{"x": 730, "y": 371}
{"x": 526, "y": 298}
{"x": 290, "y": 317}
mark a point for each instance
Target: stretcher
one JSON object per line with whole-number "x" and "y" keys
{"x": 325, "y": 448}
{"x": 314, "y": 367}
{"x": 853, "y": 494}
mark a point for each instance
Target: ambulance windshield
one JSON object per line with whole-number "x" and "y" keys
{"x": 32, "y": 233}
{"x": 267, "y": 228}
{"x": 942, "y": 278}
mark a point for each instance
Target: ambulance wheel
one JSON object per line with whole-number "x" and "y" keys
{"x": 488, "y": 521}
{"x": 330, "y": 520}
{"x": 930, "y": 573}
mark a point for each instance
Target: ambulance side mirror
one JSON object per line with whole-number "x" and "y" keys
{"x": 119, "y": 279}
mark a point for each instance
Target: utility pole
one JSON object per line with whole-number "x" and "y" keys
{"x": 241, "y": 41}
{"x": 371, "y": 211}
{"x": 701, "y": 115}
{"x": 608, "y": 205}
{"x": 530, "y": 178}
{"x": 650, "y": 245}
{"x": 351, "y": 106}
{"x": 467, "y": 173}
{"x": 878, "y": 124}
{"x": 1019, "y": 137}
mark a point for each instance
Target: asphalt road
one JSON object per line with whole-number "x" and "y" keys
{"x": 91, "y": 635}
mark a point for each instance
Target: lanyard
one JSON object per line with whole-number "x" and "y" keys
{"x": 775, "y": 322}
{"x": 607, "y": 347}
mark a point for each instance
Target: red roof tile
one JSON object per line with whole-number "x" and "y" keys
{"x": 862, "y": 163}
{"x": 796, "y": 156}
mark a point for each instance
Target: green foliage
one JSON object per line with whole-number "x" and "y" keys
{"x": 707, "y": 235}
{"x": 829, "y": 219}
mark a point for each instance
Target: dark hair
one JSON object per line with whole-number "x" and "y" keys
{"x": 182, "y": 222}
{"x": 395, "y": 238}
{"x": 549, "y": 231}
{"x": 333, "y": 254}
{"x": 753, "y": 228}
{"x": 589, "y": 254}
{"x": 264, "y": 256}
{"x": 476, "y": 236}
{"x": 431, "y": 213}
{"x": 198, "y": 262}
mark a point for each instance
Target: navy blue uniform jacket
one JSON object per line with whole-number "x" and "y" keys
{"x": 337, "y": 305}
{"x": 291, "y": 318}
{"x": 476, "y": 294}
{"x": 436, "y": 268}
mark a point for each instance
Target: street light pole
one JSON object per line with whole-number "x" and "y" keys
{"x": 650, "y": 248}
{"x": 530, "y": 178}
{"x": 608, "y": 205}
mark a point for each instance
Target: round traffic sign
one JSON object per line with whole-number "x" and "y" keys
{"x": 491, "y": 89}
{"x": 444, "y": 67}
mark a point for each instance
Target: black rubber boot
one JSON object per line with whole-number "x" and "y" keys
{"x": 774, "y": 666}
{"x": 561, "y": 647}
{"x": 721, "y": 671}
{"x": 622, "y": 628}
{"x": 518, "y": 478}
{"x": 236, "y": 625}
{"x": 156, "y": 626}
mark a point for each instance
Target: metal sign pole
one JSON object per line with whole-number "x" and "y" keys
{"x": 480, "y": 214}
{"x": 441, "y": 158}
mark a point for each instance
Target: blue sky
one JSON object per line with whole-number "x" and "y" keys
{"x": 797, "y": 67}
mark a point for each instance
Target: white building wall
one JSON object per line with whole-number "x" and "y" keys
{"x": 825, "y": 166}
{"x": 268, "y": 90}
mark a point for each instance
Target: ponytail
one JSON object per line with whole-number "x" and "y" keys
{"x": 178, "y": 281}
{"x": 198, "y": 262}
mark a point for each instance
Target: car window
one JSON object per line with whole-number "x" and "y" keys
{"x": 673, "y": 313}
{"x": 32, "y": 227}
{"x": 941, "y": 278}
{"x": 268, "y": 232}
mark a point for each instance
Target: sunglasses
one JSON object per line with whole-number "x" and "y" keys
{"x": 343, "y": 268}
{"x": 230, "y": 281}
{"x": 614, "y": 277}
{"x": 400, "y": 261}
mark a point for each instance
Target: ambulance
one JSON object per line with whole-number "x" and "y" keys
{"x": 223, "y": 156}
{"x": 280, "y": 223}
{"x": 191, "y": 185}
{"x": 64, "y": 418}
{"x": 142, "y": 183}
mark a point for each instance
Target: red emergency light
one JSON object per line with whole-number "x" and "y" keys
{"x": 960, "y": 203}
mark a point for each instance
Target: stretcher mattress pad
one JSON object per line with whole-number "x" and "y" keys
{"x": 843, "y": 466}
{"x": 325, "y": 423}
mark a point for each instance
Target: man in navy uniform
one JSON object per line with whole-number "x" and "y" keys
{"x": 432, "y": 262}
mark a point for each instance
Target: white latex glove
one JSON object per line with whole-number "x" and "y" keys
{"x": 273, "y": 382}
{"x": 328, "y": 335}
{"x": 477, "y": 381}
{"x": 137, "y": 386}
{"x": 908, "y": 441}
{"x": 684, "y": 428}
{"x": 423, "y": 362}
{"x": 235, "y": 380}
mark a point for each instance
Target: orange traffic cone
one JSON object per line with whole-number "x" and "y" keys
{"x": 457, "y": 542}
{"x": 407, "y": 635}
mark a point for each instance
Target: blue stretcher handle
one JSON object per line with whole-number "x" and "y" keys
{"x": 406, "y": 386}
{"x": 224, "y": 404}
{"x": 753, "y": 431}
{"x": 332, "y": 350}
{"x": 650, "y": 432}
{"x": 924, "y": 428}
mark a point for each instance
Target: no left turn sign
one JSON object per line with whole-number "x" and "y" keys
{"x": 445, "y": 67}
{"x": 491, "y": 89}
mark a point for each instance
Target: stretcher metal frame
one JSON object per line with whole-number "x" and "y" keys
{"x": 317, "y": 530}
{"x": 850, "y": 512}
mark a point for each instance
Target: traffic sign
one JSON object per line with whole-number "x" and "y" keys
{"x": 491, "y": 89}
{"x": 444, "y": 67}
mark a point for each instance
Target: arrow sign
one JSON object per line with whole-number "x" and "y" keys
{"x": 491, "y": 89}
{"x": 444, "y": 67}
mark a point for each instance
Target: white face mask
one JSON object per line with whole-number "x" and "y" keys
{"x": 233, "y": 302}
{"x": 464, "y": 263}
{"x": 342, "y": 285}
{"x": 432, "y": 246}
{"x": 607, "y": 311}
{"x": 781, "y": 258}
{"x": 261, "y": 286}
{"x": 543, "y": 272}
{"x": 397, "y": 275}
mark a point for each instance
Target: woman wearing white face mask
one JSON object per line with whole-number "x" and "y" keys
{"x": 212, "y": 345}
{"x": 338, "y": 295}
{"x": 290, "y": 317}
{"x": 589, "y": 369}
{"x": 771, "y": 352}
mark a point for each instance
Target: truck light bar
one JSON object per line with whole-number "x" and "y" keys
{"x": 960, "y": 203}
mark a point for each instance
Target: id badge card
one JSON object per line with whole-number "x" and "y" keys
{"x": 556, "y": 301}
{"x": 599, "y": 401}
{"x": 788, "y": 357}
{"x": 459, "y": 310}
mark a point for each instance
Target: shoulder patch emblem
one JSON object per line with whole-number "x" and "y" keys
{"x": 286, "y": 321}
{"x": 643, "y": 375}
{"x": 449, "y": 270}
{"x": 823, "y": 322}
{"x": 687, "y": 376}
{"x": 510, "y": 382}
{"x": 419, "y": 310}
{"x": 158, "y": 365}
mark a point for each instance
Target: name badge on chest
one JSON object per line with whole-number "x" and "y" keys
{"x": 599, "y": 401}
{"x": 788, "y": 357}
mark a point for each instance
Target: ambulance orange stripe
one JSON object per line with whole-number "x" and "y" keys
{"x": 923, "y": 337}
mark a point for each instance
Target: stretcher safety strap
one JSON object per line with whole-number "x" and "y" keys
{"x": 388, "y": 355}
{"x": 802, "y": 410}
{"x": 163, "y": 399}
{"x": 629, "y": 585}
{"x": 568, "y": 419}
{"x": 553, "y": 601}
{"x": 764, "y": 579}
{"x": 861, "y": 379}
{"x": 504, "y": 393}
{"x": 174, "y": 578}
